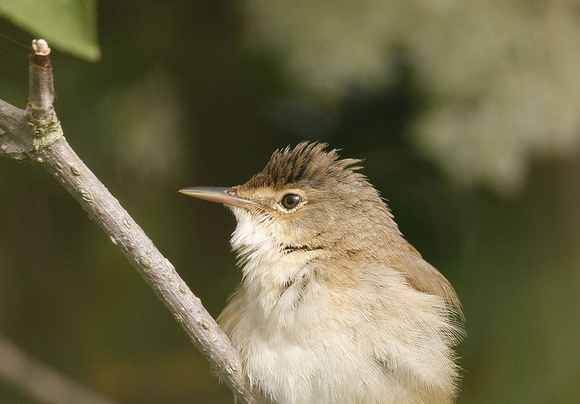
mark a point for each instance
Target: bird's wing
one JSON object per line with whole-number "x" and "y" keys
{"x": 423, "y": 277}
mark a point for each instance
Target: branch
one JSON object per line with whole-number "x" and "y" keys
{"x": 40, "y": 381}
{"x": 36, "y": 134}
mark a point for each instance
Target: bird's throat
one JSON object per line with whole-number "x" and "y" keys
{"x": 276, "y": 276}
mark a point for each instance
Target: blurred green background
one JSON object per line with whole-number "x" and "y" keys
{"x": 467, "y": 115}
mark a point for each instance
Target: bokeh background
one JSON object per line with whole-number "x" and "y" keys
{"x": 467, "y": 115}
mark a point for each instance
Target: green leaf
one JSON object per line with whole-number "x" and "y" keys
{"x": 68, "y": 25}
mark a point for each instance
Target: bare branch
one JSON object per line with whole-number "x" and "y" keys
{"x": 40, "y": 86}
{"x": 37, "y": 135}
{"x": 40, "y": 381}
{"x": 15, "y": 140}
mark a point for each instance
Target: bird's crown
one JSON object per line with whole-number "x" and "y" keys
{"x": 308, "y": 163}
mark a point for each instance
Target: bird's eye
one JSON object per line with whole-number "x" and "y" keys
{"x": 290, "y": 201}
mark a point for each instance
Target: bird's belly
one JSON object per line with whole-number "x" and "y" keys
{"x": 311, "y": 363}
{"x": 309, "y": 345}
{"x": 306, "y": 370}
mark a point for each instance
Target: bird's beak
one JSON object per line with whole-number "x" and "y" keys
{"x": 227, "y": 196}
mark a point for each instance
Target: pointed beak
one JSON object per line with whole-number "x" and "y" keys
{"x": 227, "y": 196}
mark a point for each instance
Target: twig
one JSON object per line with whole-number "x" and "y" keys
{"x": 37, "y": 135}
{"x": 41, "y": 382}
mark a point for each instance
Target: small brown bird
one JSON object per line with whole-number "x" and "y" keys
{"x": 335, "y": 306}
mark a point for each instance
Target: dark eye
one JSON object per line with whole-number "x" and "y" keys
{"x": 290, "y": 201}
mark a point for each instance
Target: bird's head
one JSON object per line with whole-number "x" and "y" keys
{"x": 306, "y": 198}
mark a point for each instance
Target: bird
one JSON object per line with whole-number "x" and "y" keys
{"x": 334, "y": 305}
